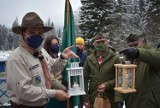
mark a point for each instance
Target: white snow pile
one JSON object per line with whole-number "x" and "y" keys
{"x": 4, "y": 55}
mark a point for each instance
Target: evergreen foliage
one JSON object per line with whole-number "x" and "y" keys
{"x": 116, "y": 18}
{"x": 119, "y": 18}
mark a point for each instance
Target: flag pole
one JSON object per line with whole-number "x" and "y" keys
{"x": 67, "y": 21}
{"x": 67, "y": 16}
{"x": 68, "y": 103}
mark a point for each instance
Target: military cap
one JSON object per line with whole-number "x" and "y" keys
{"x": 134, "y": 37}
{"x": 100, "y": 36}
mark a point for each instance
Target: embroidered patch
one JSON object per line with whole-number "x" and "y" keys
{"x": 37, "y": 79}
{"x": 33, "y": 67}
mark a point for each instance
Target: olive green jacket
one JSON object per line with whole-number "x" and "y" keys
{"x": 94, "y": 76}
{"x": 147, "y": 82}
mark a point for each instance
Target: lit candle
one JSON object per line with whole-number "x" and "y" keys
{"x": 75, "y": 85}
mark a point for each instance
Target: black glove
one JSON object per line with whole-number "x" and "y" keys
{"x": 119, "y": 104}
{"x": 158, "y": 46}
{"x": 130, "y": 53}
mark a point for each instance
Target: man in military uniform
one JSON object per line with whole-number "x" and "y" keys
{"x": 147, "y": 74}
{"x": 99, "y": 71}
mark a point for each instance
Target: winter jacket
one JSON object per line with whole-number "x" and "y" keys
{"x": 95, "y": 75}
{"x": 83, "y": 57}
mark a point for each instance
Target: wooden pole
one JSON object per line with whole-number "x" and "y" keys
{"x": 67, "y": 23}
{"x": 117, "y": 70}
{"x": 68, "y": 106}
{"x": 67, "y": 15}
{"x": 133, "y": 78}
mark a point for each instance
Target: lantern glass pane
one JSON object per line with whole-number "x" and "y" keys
{"x": 120, "y": 77}
{"x": 74, "y": 81}
{"x": 129, "y": 78}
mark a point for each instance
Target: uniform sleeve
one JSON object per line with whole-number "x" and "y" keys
{"x": 86, "y": 80}
{"x": 55, "y": 66}
{"x": 19, "y": 81}
{"x": 150, "y": 56}
{"x": 58, "y": 64}
{"x": 56, "y": 84}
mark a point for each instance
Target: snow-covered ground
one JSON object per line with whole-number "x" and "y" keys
{"x": 4, "y": 55}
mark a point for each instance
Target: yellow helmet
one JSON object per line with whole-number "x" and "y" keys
{"x": 79, "y": 40}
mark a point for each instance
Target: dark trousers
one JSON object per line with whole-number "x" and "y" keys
{"x": 14, "y": 105}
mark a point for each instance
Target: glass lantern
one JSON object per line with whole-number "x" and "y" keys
{"x": 75, "y": 88}
{"x": 125, "y": 77}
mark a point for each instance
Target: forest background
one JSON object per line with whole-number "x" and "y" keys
{"x": 116, "y": 18}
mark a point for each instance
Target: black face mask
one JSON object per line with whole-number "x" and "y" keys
{"x": 79, "y": 51}
{"x": 55, "y": 48}
{"x": 34, "y": 41}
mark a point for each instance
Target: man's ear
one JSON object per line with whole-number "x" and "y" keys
{"x": 23, "y": 35}
{"x": 108, "y": 41}
{"x": 144, "y": 40}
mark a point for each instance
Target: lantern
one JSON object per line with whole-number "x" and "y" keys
{"x": 125, "y": 77}
{"x": 75, "y": 88}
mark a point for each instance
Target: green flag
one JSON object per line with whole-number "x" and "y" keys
{"x": 69, "y": 40}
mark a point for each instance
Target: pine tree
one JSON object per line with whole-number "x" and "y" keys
{"x": 59, "y": 35}
{"x": 96, "y": 16}
{"x": 87, "y": 25}
{"x": 3, "y": 35}
{"x": 150, "y": 18}
{"x": 50, "y": 24}
{"x": 16, "y": 38}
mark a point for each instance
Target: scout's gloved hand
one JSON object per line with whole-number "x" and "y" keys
{"x": 158, "y": 46}
{"x": 130, "y": 53}
{"x": 119, "y": 104}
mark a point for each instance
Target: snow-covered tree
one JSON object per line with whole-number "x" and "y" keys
{"x": 150, "y": 11}
{"x": 50, "y": 24}
{"x": 16, "y": 38}
{"x": 3, "y": 39}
